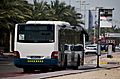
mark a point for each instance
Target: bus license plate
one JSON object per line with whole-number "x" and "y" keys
{"x": 35, "y": 61}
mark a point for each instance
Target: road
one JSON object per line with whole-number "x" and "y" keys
{"x": 7, "y": 69}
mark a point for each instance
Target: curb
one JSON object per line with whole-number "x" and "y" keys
{"x": 104, "y": 62}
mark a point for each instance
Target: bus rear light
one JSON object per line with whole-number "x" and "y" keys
{"x": 55, "y": 54}
{"x": 16, "y": 54}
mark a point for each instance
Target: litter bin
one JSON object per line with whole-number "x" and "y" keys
{"x": 110, "y": 50}
{"x": 113, "y": 47}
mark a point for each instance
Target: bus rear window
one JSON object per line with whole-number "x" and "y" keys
{"x": 35, "y": 33}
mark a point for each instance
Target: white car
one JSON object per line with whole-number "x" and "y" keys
{"x": 91, "y": 49}
{"x": 117, "y": 47}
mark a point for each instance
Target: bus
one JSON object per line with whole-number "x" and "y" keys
{"x": 41, "y": 44}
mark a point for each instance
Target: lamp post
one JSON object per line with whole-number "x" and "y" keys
{"x": 97, "y": 22}
{"x": 98, "y": 45}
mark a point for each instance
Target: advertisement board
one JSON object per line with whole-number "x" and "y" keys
{"x": 106, "y": 18}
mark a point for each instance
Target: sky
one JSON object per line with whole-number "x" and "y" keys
{"x": 91, "y": 4}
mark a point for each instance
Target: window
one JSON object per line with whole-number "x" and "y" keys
{"x": 35, "y": 33}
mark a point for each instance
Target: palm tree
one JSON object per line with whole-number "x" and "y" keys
{"x": 60, "y": 11}
{"x": 54, "y": 11}
{"x": 12, "y": 12}
{"x": 39, "y": 10}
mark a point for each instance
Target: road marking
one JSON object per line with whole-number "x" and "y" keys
{"x": 103, "y": 62}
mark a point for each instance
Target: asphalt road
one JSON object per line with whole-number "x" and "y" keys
{"x": 7, "y": 68}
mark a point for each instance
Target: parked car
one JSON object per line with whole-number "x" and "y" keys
{"x": 104, "y": 47}
{"x": 91, "y": 49}
{"x": 117, "y": 47}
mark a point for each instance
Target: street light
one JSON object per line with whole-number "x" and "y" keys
{"x": 98, "y": 45}
{"x": 98, "y": 9}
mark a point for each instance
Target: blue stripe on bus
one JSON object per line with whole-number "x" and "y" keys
{"x": 36, "y": 62}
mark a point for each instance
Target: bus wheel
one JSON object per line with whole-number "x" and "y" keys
{"x": 78, "y": 60}
{"x": 65, "y": 61}
{"x": 77, "y": 63}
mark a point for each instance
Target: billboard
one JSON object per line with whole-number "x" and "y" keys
{"x": 112, "y": 34}
{"x": 106, "y": 18}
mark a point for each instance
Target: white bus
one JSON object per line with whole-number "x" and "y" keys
{"x": 40, "y": 44}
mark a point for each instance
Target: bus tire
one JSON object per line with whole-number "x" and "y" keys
{"x": 78, "y": 60}
{"x": 77, "y": 63}
{"x": 65, "y": 61}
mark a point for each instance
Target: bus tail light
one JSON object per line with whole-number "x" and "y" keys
{"x": 55, "y": 54}
{"x": 16, "y": 54}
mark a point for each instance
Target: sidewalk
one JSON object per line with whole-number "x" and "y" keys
{"x": 114, "y": 60}
{"x": 103, "y": 60}
{"x": 109, "y": 69}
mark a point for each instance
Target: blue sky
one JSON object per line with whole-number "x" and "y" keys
{"x": 96, "y": 3}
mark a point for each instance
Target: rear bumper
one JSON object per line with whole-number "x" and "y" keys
{"x": 35, "y": 63}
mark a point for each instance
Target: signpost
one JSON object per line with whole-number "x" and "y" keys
{"x": 104, "y": 20}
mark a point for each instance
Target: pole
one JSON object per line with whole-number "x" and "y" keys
{"x": 95, "y": 25}
{"x": 11, "y": 42}
{"x": 98, "y": 45}
{"x": 84, "y": 34}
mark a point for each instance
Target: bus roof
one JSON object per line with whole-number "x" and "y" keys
{"x": 48, "y": 22}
